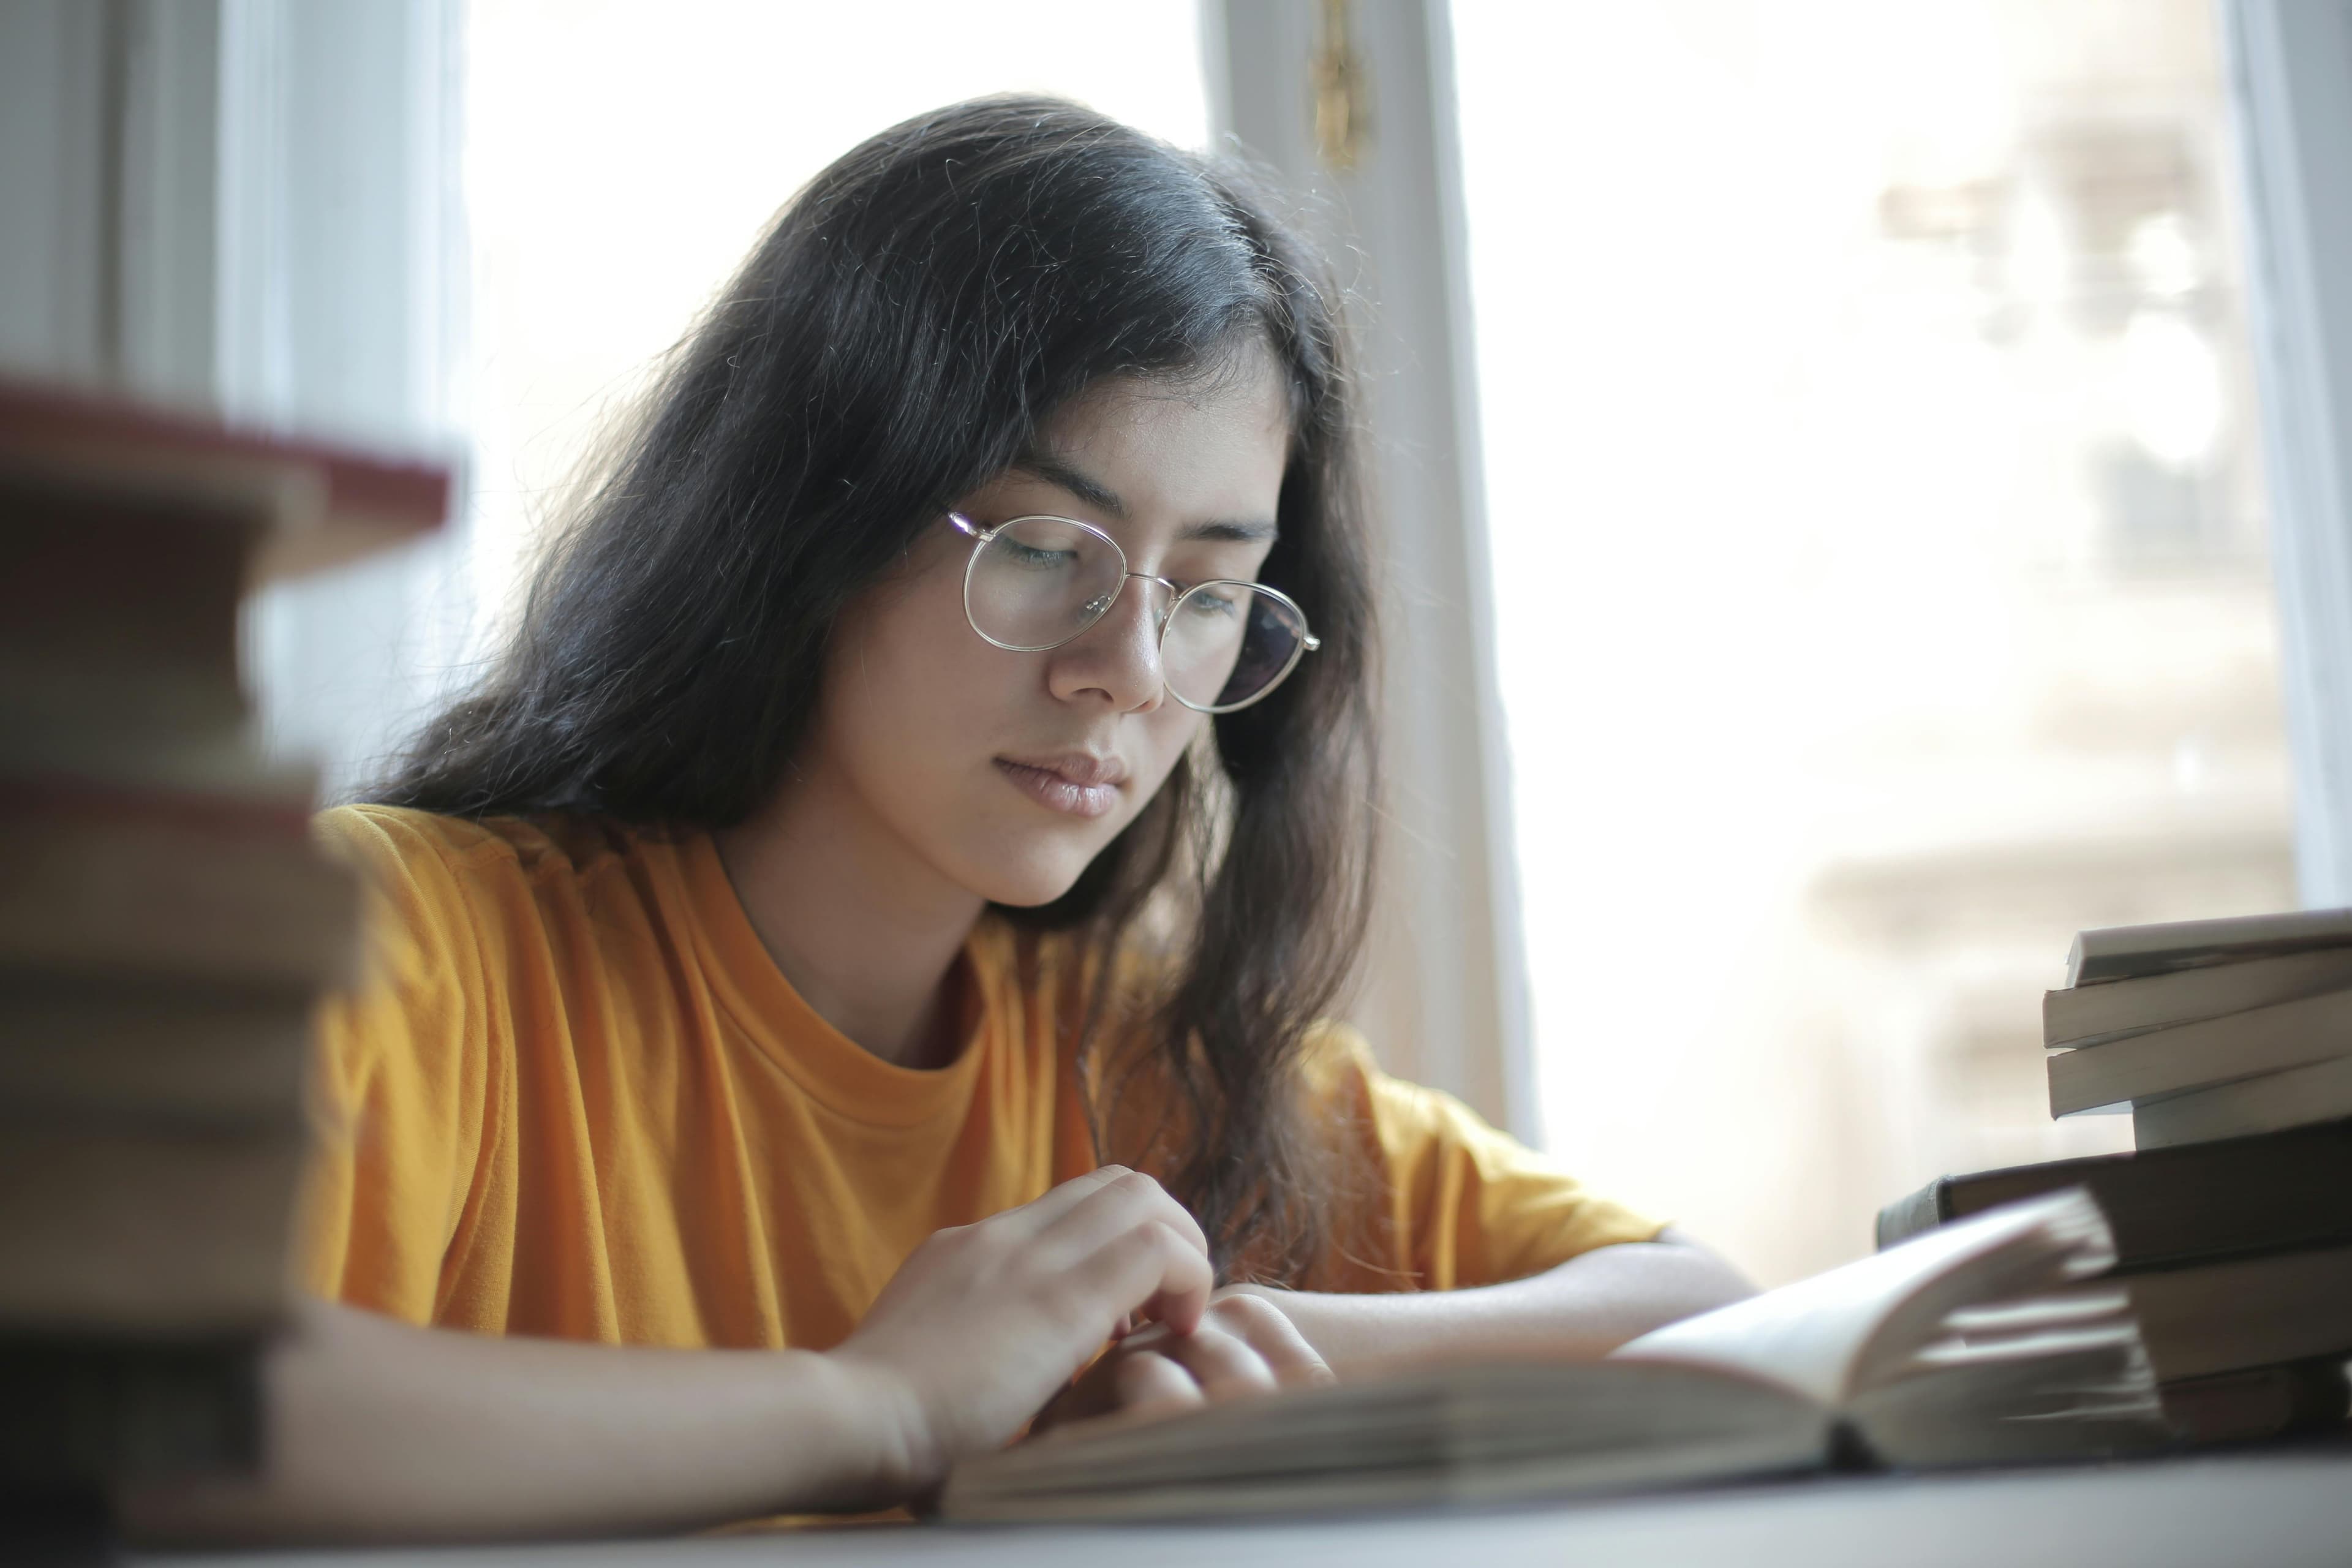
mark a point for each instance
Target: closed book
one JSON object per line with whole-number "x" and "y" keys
{"x": 2149, "y": 1066}
{"x": 119, "y": 604}
{"x": 218, "y": 888}
{"x": 130, "y": 1054}
{"x": 124, "y": 769}
{"x": 2260, "y": 1402}
{"x": 143, "y": 1231}
{"x": 2087, "y": 1015}
{"x": 1975, "y": 1343}
{"x": 2246, "y": 1312}
{"x": 75, "y": 1407}
{"x": 2294, "y": 1097}
{"x": 2115, "y": 953}
{"x": 354, "y": 502}
{"x": 2214, "y": 1200}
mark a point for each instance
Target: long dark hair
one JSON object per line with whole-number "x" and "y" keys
{"x": 896, "y": 340}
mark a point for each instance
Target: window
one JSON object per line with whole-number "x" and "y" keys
{"x": 1880, "y": 576}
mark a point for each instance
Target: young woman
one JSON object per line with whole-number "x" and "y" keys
{"x": 864, "y": 946}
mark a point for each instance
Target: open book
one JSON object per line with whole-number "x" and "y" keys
{"x": 1976, "y": 1342}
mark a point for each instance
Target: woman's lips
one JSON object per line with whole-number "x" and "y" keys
{"x": 1081, "y": 787}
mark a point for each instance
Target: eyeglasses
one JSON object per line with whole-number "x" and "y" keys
{"x": 1037, "y": 583}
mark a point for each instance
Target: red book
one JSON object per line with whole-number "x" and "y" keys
{"x": 335, "y": 502}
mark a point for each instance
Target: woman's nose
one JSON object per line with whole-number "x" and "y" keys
{"x": 1119, "y": 654}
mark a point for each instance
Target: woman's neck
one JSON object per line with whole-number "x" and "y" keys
{"x": 863, "y": 932}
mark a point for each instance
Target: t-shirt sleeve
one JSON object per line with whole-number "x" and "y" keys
{"x": 1463, "y": 1203}
{"x": 399, "y": 1079}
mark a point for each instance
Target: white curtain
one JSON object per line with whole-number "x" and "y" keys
{"x": 341, "y": 311}
{"x": 2291, "y": 96}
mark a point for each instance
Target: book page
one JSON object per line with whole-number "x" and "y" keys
{"x": 1826, "y": 1336}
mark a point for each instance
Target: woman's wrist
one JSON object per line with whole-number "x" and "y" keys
{"x": 893, "y": 1445}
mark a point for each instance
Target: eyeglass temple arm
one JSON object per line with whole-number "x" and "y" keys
{"x": 968, "y": 528}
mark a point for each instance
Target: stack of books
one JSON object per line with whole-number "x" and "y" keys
{"x": 2205, "y": 1029}
{"x": 2229, "y": 1043}
{"x": 166, "y": 927}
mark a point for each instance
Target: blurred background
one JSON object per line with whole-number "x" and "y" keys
{"x": 1881, "y": 583}
{"x": 1824, "y": 474}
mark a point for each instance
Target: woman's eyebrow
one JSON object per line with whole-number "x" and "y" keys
{"x": 1226, "y": 531}
{"x": 1085, "y": 486}
{"x": 1103, "y": 498}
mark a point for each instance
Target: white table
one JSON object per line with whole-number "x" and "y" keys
{"x": 2242, "y": 1510}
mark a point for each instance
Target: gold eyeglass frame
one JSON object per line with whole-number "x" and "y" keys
{"x": 1178, "y": 593}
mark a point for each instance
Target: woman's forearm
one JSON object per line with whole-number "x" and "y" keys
{"x": 1585, "y": 1307}
{"x": 380, "y": 1430}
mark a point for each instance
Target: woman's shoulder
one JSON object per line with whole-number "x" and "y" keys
{"x": 395, "y": 839}
{"x": 448, "y": 871}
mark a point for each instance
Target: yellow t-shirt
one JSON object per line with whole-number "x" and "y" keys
{"x": 574, "y": 1097}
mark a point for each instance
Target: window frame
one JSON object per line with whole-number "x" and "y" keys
{"x": 2290, "y": 97}
{"x": 1444, "y": 997}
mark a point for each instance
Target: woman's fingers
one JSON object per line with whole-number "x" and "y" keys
{"x": 1224, "y": 1366}
{"x": 1152, "y": 1272}
{"x": 1149, "y": 1381}
{"x": 1104, "y": 1208}
{"x": 1269, "y": 1333}
{"x": 1039, "y": 1213}
{"x": 1122, "y": 1231}
{"x": 1243, "y": 1345}
{"x": 983, "y": 1323}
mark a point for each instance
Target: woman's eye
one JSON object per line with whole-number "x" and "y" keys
{"x": 1035, "y": 559}
{"x": 1212, "y": 604}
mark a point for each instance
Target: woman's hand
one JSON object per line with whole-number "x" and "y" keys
{"x": 1242, "y": 1345}
{"x": 984, "y": 1323}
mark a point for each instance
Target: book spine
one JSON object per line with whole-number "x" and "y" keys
{"x": 76, "y": 1410}
{"x": 127, "y": 1230}
{"x": 2262, "y": 1403}
{"x": 1922, "y": 1211}
{"x": 2257, "y": 1311}
{"x": 2117, "y": 952}
{"x": 2270, "y": 1103}
{"x": 2197, "y": 1056}
{"x": 2222, "y": 1199}
{"x": 2092, "y": 1014}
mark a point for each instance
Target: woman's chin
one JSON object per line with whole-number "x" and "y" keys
{"x": 1031, "y": 882}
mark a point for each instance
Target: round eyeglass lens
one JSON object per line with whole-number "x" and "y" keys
{"x": 1040, "y": 581}
{"x": 1227, "y": 642}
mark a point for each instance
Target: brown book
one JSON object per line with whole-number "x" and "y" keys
{"x": 119, "y": 604}
{"x": 2200, "y": 1204}
{"x": 2260, "y": 1402}
{"x": 128, "y": 535}
{"x": 216, "y": 888}
{"x": 75, "y": 1408}
{"x": 150, "y": 1054}
{"x": 143, "y": 1231}
{"x": 2246, "y": 1312}
{"x": 352, "y": 503}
